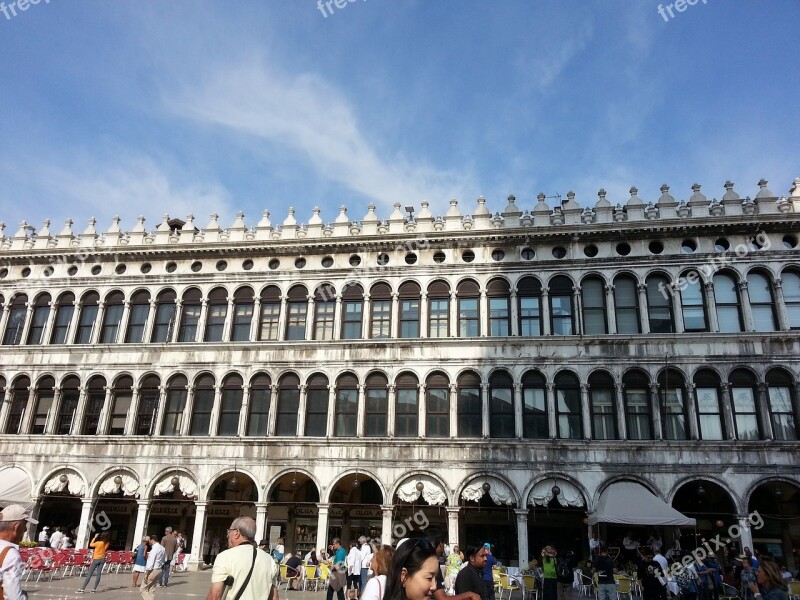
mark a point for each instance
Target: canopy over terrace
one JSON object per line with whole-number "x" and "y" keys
{"x": 629, "y": 503}
{"x": 15, "y": 488}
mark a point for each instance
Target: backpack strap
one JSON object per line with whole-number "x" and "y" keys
{"x": 249, "y": 573}
{"x": 2, "y": 560}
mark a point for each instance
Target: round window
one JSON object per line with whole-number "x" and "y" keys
{"x": 688, "y": 246}
{"x": 355, "y": 260}
{"x": 171, "y": 267}
{"x": 656, "y": 247}
{"x": 590, "y": 250}
{"x": 722, "y": 245}
{"x": 527, "y": 254}
{"x": 468, "y": 256}
{"x": 146, "y": 267}
{"x": 411, "y": 258}
{"x": 221, "y": 265}
{"x": 196, "y": 266}
{"x": 300, "y": 263}
{"x": 120, "y": 269}
{"x": 438, "y": 257}
{"x": 247, "y": 265}
{"x": 327, "y": 262}
{"x": 383, "y": 260}
{"x": 623, "y": 248}
{"x": 3, "y": 273}
{"x": 48, "y": 270}
{"x": 26, "y": 272}
{"x": 559, "y": 252}
{"x": 789, "y": 241}
{"x": 498, "y": 255}
{"x": 274, "y": 264}
{"x": 72, "y": 270}
{"x": 96, "y": 270}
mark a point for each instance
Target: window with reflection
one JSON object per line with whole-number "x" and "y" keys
{"x": 203, "y": 405}
{"x": 258, "y": 408}
{"x": 529, "y": 297}
{"x": 243, "y": 306}
{"x": 672, "y": 395}
{"x": 112, "y": 317}
{"x": 16, "y": 320}
{"x": 95, "y": 400}
{"x": 535, "y": 422}
{"x": 377, "y": 405}
{"x": 501, "y": 406}
{"x": 743, "y": 401}
{"x": 791, "y": 296}
{"x": 381, "y": 307}
{"x": 781, "y": 412}
{"x": 230, "y": 406}
{"x": 41, "y": 311}
{"x": 43, "y": 403}
{"x": 269, "y": 327}
{"x": 439, "y": 309}
{"x": 147, "y": 412}
{"x": 352, "y": 311}
{"x": 593, "y": 294}
{"x": 709, "y": 414}
{"x": 164, "y": 321}
{"x": 121, "y": 397}
{"x": 626, "y": 305}
{"x": 407, "y": 406}
{"x": 561, "y": 308}
{"x": 602, "y": 406}
{"x": 19, "y": 401}
{"x": 70, "y": 395}
{"x": 638, "y": 418}
{"x": 659, "y": 304}
{"x": 217, "y": 312}
{"x": 498, "y": 294}
{"x": 317, "y": 406}
{"x": 761, "y": 302}
{"x": 568, "y": 406}
{"x": 175, "y": 408}
{"x": 693, "y": 302}
{"x": 65, "y": 308}
{"x": 192, "y": 306}
{"x": 726, "y": 297}
{"x": 437, "y": 406}
{"x": 469, "y": 323}
{"x": 297, "y": 307}
{"x": 137, "y": 318}
{"x": 288, "y": 405}
{"x": 469, "y": 409}
{"x": 324, "y": 312}
{"x": 409, "y": 294}
{"x": 345, "y": 418}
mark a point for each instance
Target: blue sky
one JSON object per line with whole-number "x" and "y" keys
{"x": 127, "y": 108}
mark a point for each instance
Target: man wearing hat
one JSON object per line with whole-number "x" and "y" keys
{"x": 13, "y": 522}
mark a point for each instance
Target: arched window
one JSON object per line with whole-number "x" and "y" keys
{"x": 437, "y": 405}
{"x": 693, "y": 302}
{"x": 177, "y": 392}
{"x": 41, "y": 310}
{"x": 381, "y": 304}
{"x": 203, "y": 405}
{"x": 65, "y": 308}
{"x": 726, "y": 297}
{"x": 149, "y": 394}
{"x": 352, "y": 311}
{"x": 439, "y": 309}
{"x": 217, "y": 312}
{"x": 626, "y": 304}
{"x": 112, "y": 317}
{"x": 498, "y": 293}
{"x": 659, "y": 304}
{"x": 258, "y": 409}
{"x": 190, "y": 315}
{"x": 469, "y": 322}
{"x": 638, "y": 419}
{"x": 745, "y": 408}
{"x": 121, "y": 397}
{"x": 20, "y": 390}
{"x": 761, "y": 302}
{"x": 95, "y": 400}
{"x": 137, "y": 319}
{"x": 242, "y": 314}
{"x": 781, "y": 411}
{"x": 89, "y": 307}
{"x": 501, "y": 406}
{"x": 317, "y": 406}
{"x": 593, "y": 292}
{"x": 165, "y": 317}
{"x": 407, "y": 411}
{"x": 409, "y": 294}
{"x": 298, "y": 310}
{"x": 672, "y": 398}
{"x": 529, "y": 296}
{"x": 568, "y": 406}
{"x": 709, "y": 415}
{"x": 324, "y": 311}
{"x": 45, "y": 392}
{"x": 791, "y": 296}
{"x": 602, "y": 406}
{"x": 270, "y": 313}
{"x": 231, "y": 405}
{"x": 70, "y": 395}
{"x": 345, "y": 419}
{"x": 535, "y": 425}
{"x": 470, "y": 413}
{"x": 377, "y": 397}
{"x": 561, "y": 309}
{"x": 16, "y": 320}
{"x": 288, "y": 405}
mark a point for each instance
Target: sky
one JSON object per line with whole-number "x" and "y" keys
{"x": 189, "y": 107}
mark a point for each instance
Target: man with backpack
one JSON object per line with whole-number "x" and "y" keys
{"x": 13, "y": 522}
{"x": 604, "y": 567}
{"x": 565, "y": 574}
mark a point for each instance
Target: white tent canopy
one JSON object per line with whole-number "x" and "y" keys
{"x": 631, "y": 503}
{"x": 15, "y": 488}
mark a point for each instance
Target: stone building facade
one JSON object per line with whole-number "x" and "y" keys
{"x": 482, "y": 376}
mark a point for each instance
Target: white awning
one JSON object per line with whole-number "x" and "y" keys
{"x": 15, "y": 488}
{"x": 631, "y": 503}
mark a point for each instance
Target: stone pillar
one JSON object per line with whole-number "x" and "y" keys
{"x": 394, "y": 327}
{"x": 200, "y": 335}
{"x": 453, "y": 393}
{"x": 780, "y": 306}
{"x": 514, "y": 313}
{"x": 586, "y": 414}
{"x": 452, "y": 526}
{"x": 644, "y": 313}
{"x": 366, "y": 316}
{"x": 77, "y": 420}
{"x": 338, "y": 321}
{"x": 522, "y": 536}
{"x": 243, "y": 414}
{"x": 29, "y": 412}
{"x": 73, "y": 322}
{"x": 103, "y": 423}
{"x": 711, "y": 303}
{"x": 4, "y": 318}
{"x": 196, "y": 558}
{"x": 551, "y": 410}
{"x": 727, "y": 410}
{"x": 392, "y": 411}
{"x": 255, "y": 321}
{"x": 133, "y": 409}
{"x": 622, "y": 426}
{"x": 5, "y": 393}
{"x": 84, "y": 524}
{"x": 362, "y": 409}
{"x": 424, "y": 320}
{"x": 453, "y": 315}
{"x": 693, "y": 432}
{"x": 485, "y": 430}
{"x": 160, "y": 410}
{"x": 655, "y": 409}
{"x": 147, "y": 335}
{"x": 762, "y": 406}
{"x": 322, "y": 525}
{"x": 518, "y": 433}
{"x": 331, "y": 413}
{"x": 273, "y": 410}
{"x": 215, "y": 411}
{"x": 123, "y": 323}
{"x": 173, "y": 333}
{"x": 52, "y": 414}
{"x": 282, "y": 319}
{"x": 422, "y": 405}
{"x": 261, "y": 521}
{"x": 747, "y": 312}
{"x": 227, "y": 326}
{"x": 386, "y": 529}
{"x": 187, "y": 422}
{"x": 48, "y": 327}
{"x": 26, "y": 327}
{"x": 310, "y": 308}
{"x": 611, "y": 309}
{"x": 483, "y": 315}
{"x": 98, "y": 322}
{"x": 547, "y": 326}
{"x": 577, "y": 310}
{"x": 745, "y": 532}
{"x": 301, "y": 410}
{"x": 142, "y": 507}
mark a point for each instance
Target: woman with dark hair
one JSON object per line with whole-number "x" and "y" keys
{"x": 771, "y": 581}
{"x": 412, "y": 575}
{"x": 376, "y": 586}
{"x": 99, "y": 545}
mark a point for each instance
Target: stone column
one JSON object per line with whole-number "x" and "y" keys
{"x": 84, "y": 524}
{"x": 255, "y": 321}
{"x": 30, "y": 410}
{"x": 691, "y": 412}
{"x": 200, "y": 335}
{"x": 244, "y": 412}
{"x": 453, "y": 394}
{"x": 518, "y": 432}
{"x": 26, "y": 327}
{"x": 586, "y": 414}
{"x": 422, "y": 405}
{"x": 745, "y": 532}
{"x": 123, "y": 323}
{"x": 485, "y": 430}
{"x": 780, "y": 305}
{"x": 711, "y": 303}
{"x": 762, "y": 406}
{"x": 547, "y": 326}
{"x": 747, "y": 312}
{"x": 453, "y": 323}
{"x": 282, "y": 319}
{"x": 52, "y": 414}
{"x": 142, "y": 508}
{"x": 622, "y": 426}
{"x": 174, "y": 331}
{"x": 424, "y": 320}
{"x": 644, "y": 313}
{"x": 196, "y": 558}
{"x": 514, "y": 313}
{"x": 4, "y": 318}
{"x": 301, "y": 411}
{"x": 187, "y": 422}
{"x": 452, "y": 526}
{"x": 551, "y": 410}
{"x": 386, "y": 525}
{"x": 338, "y": 321}
{"x": 77, "y": 420}
{"x": 273, "y": 410}
{"x": 483, "y": 315}
{"x": 147, "y": 335}
{"x": 229, "y": 316}
{"x": 261, "y": 520}
{"x": 611, "y": 309}
{"x": 133, "y": 409}
{"x": 322, "y": 525}
{"x": 577, "y": 310}
{"x": 394, "y": 328}
{"x": 160, "y": 410}
{"x": 360, "y": 415}
{"x": 104, "y": 420}
{"x": 522, "y": 539}
{"x": 310, "y": 307}
{"x": 5, "y": 393}
{"x": 391, "y": 415}
{"x": 215, "y": 411}
{"x": 73, "y": 322}
{"x": 655, "y": 409}
{"x": 48, "y": 327}
{"x": 727, "y": 410}
{"x": 677, "y": 308}
{"x": 331, "y": 414}
{"x": 366, "y": 315}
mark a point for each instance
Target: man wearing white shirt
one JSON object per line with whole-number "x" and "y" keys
{"x": 44, "y": 537}
{"x": 13, "y": 522}
{"x": 152, "y": 570}
{"x": 354, "y": 567}
{"x": 55, "y": 539}
{"x": 366, "y": 560}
